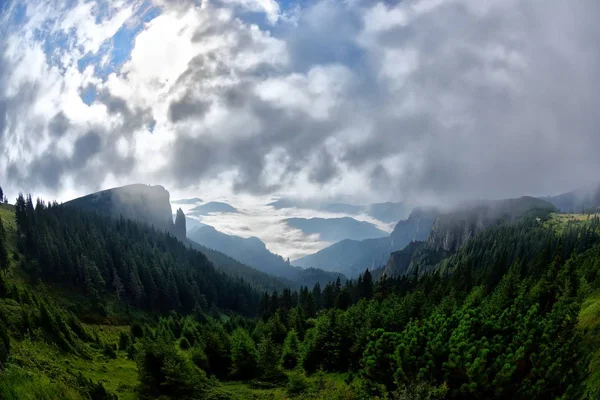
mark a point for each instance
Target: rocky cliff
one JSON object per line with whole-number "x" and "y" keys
{"x": 450, "y": 231}
{"x": 144, "y": 203}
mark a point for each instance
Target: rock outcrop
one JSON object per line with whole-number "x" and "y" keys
{"x": 179, "y": 229}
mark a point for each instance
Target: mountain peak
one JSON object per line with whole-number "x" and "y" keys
{"x": 140, "y": 202}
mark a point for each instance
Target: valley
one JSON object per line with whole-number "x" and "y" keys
{"x": 94, "y": 322}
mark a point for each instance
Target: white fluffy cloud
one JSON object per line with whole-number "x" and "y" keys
{"x": 421, "y": 100}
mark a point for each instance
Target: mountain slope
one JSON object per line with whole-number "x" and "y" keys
{"x": 251, "y": 251}
{"x": 139, "y": 202}
{"x": 581, "y": 200}
{"x": 254, "y": 253}
{"x": 150, "y": 268}
{"x": 150, "y": 205}
{"x": 451, "y": 231}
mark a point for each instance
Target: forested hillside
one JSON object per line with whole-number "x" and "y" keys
{"x": 93, "y": 307}
{"x": 148, "y": 268}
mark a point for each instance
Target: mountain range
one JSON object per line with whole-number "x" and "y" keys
{"x": 389, "y": 212}
{"x": 213, "y": 207}
{"x": 580, "y": 200}
{"x": 352, "y": 257}
{"x": 336, "y": 229}
{"x": 358, "y": 244}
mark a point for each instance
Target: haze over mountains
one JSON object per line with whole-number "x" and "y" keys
{"x": 358, "y": 245}
{"x": 244, "y": 257}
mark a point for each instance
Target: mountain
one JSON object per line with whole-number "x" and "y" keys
{"x": 336, "y": 229}
{"x": 385, "y": 212}
{"x": 254, "y": 253}
{"x": 150, "y": 205}
{"x": 250, "y": 251}
{"x": 191, "y": 223}
{"x": 451, "y": 231}
{"x": 353, "y": 256}
{"x": 193, "y": 200}
{"x": 179, "y": 227}
{"x": 139, "y": 202}
{"x": 388, "y": 212}
{"x": 581, "y": 200}
{"x": 213, "y": 207}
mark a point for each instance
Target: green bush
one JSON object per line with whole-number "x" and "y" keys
{"x": 297, "y": 383}
{"x": 199, "y": 358}
{"x": 165, "y": 371}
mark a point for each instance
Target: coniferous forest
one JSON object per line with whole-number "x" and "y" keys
{"x": 99, "y": 308}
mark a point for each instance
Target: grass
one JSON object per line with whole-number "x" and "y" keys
{"x": 558, "y": 222}
{"x": 19, "y": 384}
{"x": 589, "y": 325}
{"x": 58, "y": 368}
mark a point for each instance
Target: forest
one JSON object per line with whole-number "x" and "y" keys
{"x": 99, "y": 308}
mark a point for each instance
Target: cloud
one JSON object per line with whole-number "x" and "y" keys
{"x": 422, "y": 100}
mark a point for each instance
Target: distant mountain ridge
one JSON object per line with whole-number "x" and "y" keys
{"x": 580, "y": 200}
{"x": 254, "y": 253}
{"x": 213, "y": 207}
{"x": 193, "y": 200}
{"x": 336, "y": 229}
{"x": 386, "y": 212}
{"x": 352, "y": 256}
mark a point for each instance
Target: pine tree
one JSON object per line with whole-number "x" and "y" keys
{"x": 291, "y": 351}
{"x": 4, "y": 262}
{"x": 244, "y": 357}
{"x": 117, "y": 284}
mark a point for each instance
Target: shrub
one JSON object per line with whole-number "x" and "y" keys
{"x": 199, "y": 358}
{"x": 165, "y": 371}
{"x": 297, "y": 383}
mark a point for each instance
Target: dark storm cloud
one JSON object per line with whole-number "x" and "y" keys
{"x": 59, "y": 124}
{"x": 187, "y": 107}
{"x": 325, "y": 169}
{"x": 86, "y": 147}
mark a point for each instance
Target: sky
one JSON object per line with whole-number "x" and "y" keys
{"x": 422, "y": 101}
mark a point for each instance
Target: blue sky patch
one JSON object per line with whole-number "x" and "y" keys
{"x": 19, "y": 14}
{"x": 88, "y": 94}
{"x": 118, "y": 47}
